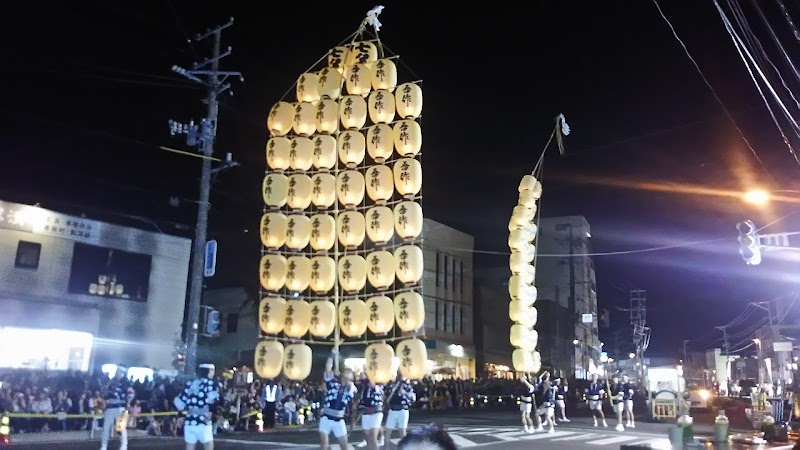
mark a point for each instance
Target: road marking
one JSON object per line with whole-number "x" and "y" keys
{"x": 509, "y": 436}
{"x": 580, "y": 436}
{"x": 467, "y": 430}
{"x": 533, "y": 437}
{"x": 462, "y": 441}
{"x": 282, "y": 445}
{"x": 613, "y": 440}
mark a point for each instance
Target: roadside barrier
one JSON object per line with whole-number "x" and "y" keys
{"x": 664, "y": 408}
{"x": 5, "y": 430}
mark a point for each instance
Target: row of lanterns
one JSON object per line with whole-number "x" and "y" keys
{"x": 522, "y": 233}
{"x": 379, "y": 224}
{"x": 380, "y": 268}
{"x": 320, "y": 151}
{"x": 379, "y": 182}
{"x": 382, "y": 361}
{"x": 296, "y": 317}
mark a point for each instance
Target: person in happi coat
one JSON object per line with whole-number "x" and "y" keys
{"x": 400, "y": 396}
{"x": 340, "y": 392}
{"x": 116, "y": 403}
{"x": 197, "y": 401}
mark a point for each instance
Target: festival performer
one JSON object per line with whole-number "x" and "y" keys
{"x": 400, "y": 398}
{"x": 340, "y": 393}
{"x": 197, "y": 400}
{"x": 371, "y": 405}
{"x": 630, "y": 388}
{"x": 526, "y": 403}
{"x": 549, "y": 404}
{"x": 617, "y": 399}
{"x": 561, "y": 396}
{"x": 594, "y": 395}
{"x": 271, "y": 396}
{"x": 116, "y": 400}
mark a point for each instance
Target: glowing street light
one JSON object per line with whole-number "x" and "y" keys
{"x": 756, "y": 197}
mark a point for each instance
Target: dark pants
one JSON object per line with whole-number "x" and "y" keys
{"x": 268, "y": 414}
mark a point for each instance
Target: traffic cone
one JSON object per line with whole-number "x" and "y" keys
{"x": 260, "y": 422}
{"x": 5, "y": 430}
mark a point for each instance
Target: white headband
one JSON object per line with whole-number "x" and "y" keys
{"x": 206, "y": 366}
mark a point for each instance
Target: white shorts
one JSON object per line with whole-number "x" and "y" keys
{"x": 371, "y": 421}
{"x": 525, "y": 407}
{"x": 561, "y": 404}
{"x": 328, "y": 426}
{"x": 193, "y": 434}
{"x": 596, "y": 405}
{"x": 629, "y": 405}
{"x": 397, "y": 420}
{"x": 619, "y": 407}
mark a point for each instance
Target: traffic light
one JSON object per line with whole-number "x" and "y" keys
{"x": 749, "y": 247}
{"x": 211, "y": 322}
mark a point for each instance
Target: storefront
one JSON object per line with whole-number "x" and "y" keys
{"x": 45, "y": 349}
{"x": 500, "y": 371}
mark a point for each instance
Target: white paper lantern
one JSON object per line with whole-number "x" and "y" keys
{"x": 323, "y": 318}
{"x": 353, "y": 316}
{"x": 378, "y": 363}
{"x": 329, "y": 84}
{"x": 272, "y": 314}
{"x": 522, "y": 217}
{"x": 528, "y": 273}
{"x": 379, "y": 224}
{"x": 519, "y": 261}
{"x": 523, "y": 361}
{"x": 381, "y": 314}
{"x": 527, "y": 199}
{"x": 409, "y": 311}
{"x": 327, "y": 117}
{"x": 518, "y": 240}
{"x": 269, "y": 359}
{"x": 298, "y": 318}
{"x": 275, "y": 188}
{"x": 307, "y": 87}
{"x": 297, "y": 359}
{"x": 272, "y": 272}
{"x": 523, "y": 337}
{"x": 298, "y": 231}
{"x": 301, "y": 153}
{"x": 380, "y": 269}
{"x": 298, "y": 273}
{"x": 407, "y": 176}
{"x": 323, "y": 232}
{"x": 350, "y": 188}
{"x": 362, "y": 52}
{"x": 358, "y": 80}
{"x": 413, "y": 357}
{"x": 409, "y": 100}
{"x": 323, "y": 274}
{"x": 407, "y": 136}
{"x": 380, "y": 142}
{"x": 518, "y": 289}
{"x": 527, "y": 183}
{"x": 353, "y": 112}
{"x": 337, "y": 58}
{"x": 304, "y": 121}
{"x": 380, "y": 183}
{"x": 323, "y": 190}
{"x": 522, "y": 314}
{"x": 408, "y": 220}
{"x": 381, "y": 106}
{"x": 408, "y": 264}
{"x": 352, "y": 273}
{"x": 384, "y": 74}
{"x": 273, "y": 229}
{"x": 280, "y": 118}
{"x": 278, "y": 153}
{"x": 352, "y": 148}
{"x": 299, "y": 194}
{"x": 350, "y": 228}
{"x": 324, "y": 156}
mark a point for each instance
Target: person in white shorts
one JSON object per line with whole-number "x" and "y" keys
{"x": 618, "y": 400}
{"x": 371, "y": 404}
{"x": 116, "y": 400}
{"x": 561, "y": 396}
{"x": 400, "y": 398}
{"x": 340, "y": 394}
{"x": 197, "y": 400}
{"x": 526, "y": 403}
{"x": 630, "y": 388}
{"x": 594, "y": 395}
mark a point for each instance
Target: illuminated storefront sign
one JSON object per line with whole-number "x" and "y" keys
{"x": 14, "y": 216}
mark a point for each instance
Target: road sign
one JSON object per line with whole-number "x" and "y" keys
{"x": 211, "y": 259}
{"x": 587, "y": 318}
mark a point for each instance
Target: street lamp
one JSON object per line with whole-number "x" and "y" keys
{"x": 756, "y": 197}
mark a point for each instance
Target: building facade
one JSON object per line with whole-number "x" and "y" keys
{"x": 78, "y": 293}
{"x": 492, "y": 330}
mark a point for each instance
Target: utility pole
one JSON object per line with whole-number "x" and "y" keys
{"x": 725, "y": 344}
{"x": 202, "y": 135}
{"x": 685, "y": 357}
{"x": 638, "y": 310}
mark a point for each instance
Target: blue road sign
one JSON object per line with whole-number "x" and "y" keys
{"x": 211, "y": 259}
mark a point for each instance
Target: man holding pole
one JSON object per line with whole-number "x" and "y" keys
{"x": 340, "y": 393}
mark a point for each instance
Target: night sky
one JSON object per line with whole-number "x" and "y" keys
{"x": 88, "y": 92}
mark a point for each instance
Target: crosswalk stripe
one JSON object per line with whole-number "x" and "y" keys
{"x": 509, "y": 435}
{"x": 580, "y": 436}
{"x": 533, "y": 437}
{"x": 462, "y": 441}
{"x": 613, "y": 440}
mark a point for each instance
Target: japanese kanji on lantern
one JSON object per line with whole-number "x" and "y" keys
{"x": 341, "y": 231}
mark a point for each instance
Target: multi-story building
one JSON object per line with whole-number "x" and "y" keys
{"x": 492, "y": 330}
{"x": 77, "y": 293}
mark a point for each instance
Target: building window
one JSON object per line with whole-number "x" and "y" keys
{"x": 455, "y": 285}
{"x": 437, "y": 268}
{"x": 436, "y": 314}
{"x": 233, "y": 323}
{"x": 28, "y": 254}
{"x": 461, "y": 320}
{"x": 445, "y": 260}
{"x": 444, "y": 316}
{"x": 461, "y": 276}
{"x": 455, "y": 319}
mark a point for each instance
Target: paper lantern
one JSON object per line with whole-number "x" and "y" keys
{"x": 413, "y": 358}
{"x": 523, "y": 337}
{"x": 353, "y": 315}
{"x": 353, "y": 112}
{"x": 299, "y": 194}
{"x": 298, "y": 318}
{"x": 517, "y": 288}
{"x": 297, "y": 360}
{"x": 350, "y": 228}
{"x": 408, "y": 264}
{"x": 275, "y": 188}
{"x": 298, "y": 231}
{"x": 381, "y": 314}
{"x": 327, "y": 117}
{"x": 338, "y": 57}
{"x": 522, "y": 217}
{"x": 381, "y": 106}
{"x": 528, "y": 182}
{"x": 269, "y": 359}
{"x": 408, "y": 220}
{"x": 280, "y": 118}
{"x": 384, "y": 74}
{"x": 323, "y": 318}
{"x": 378, "y": 364}
{"x": 409, "y": 311}
{"x": 304, "y": 122}
{"x": 350, "y": 188}
{"x": 407, "y": 176}
{"x": 298, "y": 273}
{"x": 307, "y": 87}
{"x": 522, "y": 314}
{"x": 352, "y": 148}
{"x": 362, "y": 52}
{"x": 527, "y": 199}
{"x": 409, "y": 100}
{"x": 278, "y": 153}
{"x": 323, "y": 274}
{"x": 301, "y": 153}
{"x": 272, "y": 272}
{"x": 380, "y": 269}
{"x": 352, "y": 273}
{"x": 523, "y": 361}
{"x": 380, "y": 183}
{"x": 407, "y": 136}
{"x": 519, "y": 261}
{"x": 323, "y": 232}
{"x": 380, "y": 142}
{"x": 528, "y": 273}
{"x": 323, "y": 190}
{"x": 537, "y": 362}
{"x": 379, "y": 224}
{"x": 518, "y": 240}
{"x": 273, "y": 229}
{"x": 272, "y": 314}
{"x": 324, "y": 154}
{"x": 358, "y": 80}
{"x": 329, "y": 84}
